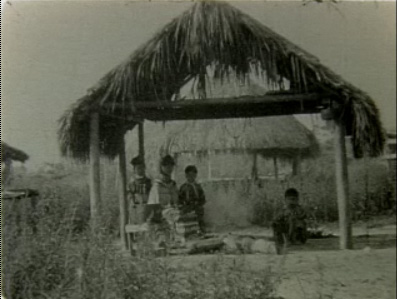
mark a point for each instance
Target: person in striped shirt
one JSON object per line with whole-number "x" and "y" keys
{"x": 138, "y": 189}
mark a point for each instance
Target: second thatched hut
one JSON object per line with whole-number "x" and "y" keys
{"x": 270, "y": 147}
{"x": 230, "y": 149}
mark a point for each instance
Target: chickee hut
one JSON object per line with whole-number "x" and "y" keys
{"x": 218, "y": 38}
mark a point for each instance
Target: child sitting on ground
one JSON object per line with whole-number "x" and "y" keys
{"x": 290, "y": 224}
{"x": 191, "y": 196}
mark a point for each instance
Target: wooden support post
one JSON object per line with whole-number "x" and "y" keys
{"x": 296, "y": 165}
{"x": 275, "y": 167}
{"x": 95, "y": 183}
{"x": 254, "y": 172}
{"x": 141, "y": 140}
{"x": 123, "y": 193}
{"x": 173, "y": 175}
{"x": 342, "y": 187}
{"x": 209, "y": 166}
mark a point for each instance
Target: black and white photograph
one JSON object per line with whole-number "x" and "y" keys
{"x": 198, "y": 149}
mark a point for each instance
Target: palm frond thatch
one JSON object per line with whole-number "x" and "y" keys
{"x": 74, "y": 131}
{"x": 9, "y": 152}
{"x": 218, "y": 36}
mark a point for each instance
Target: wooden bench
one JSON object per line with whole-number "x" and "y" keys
{"x": 132, "y": 231}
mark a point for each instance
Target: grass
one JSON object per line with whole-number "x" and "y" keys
{"x": 64, "y": 258}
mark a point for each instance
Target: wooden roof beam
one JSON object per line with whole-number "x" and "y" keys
{"x": 263, "y": 99}
{"x": 268, "y": 105}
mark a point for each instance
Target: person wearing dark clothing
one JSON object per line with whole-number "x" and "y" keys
{"x": 192, "y": 197}
{"x": 290, "y": 224}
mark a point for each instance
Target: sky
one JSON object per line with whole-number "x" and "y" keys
{"x": 53, "y": 52}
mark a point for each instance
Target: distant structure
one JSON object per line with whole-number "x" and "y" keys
{"x": 8, "y": 155}
{"x": 272, "y": 139}
{"x": 11, "y": 153}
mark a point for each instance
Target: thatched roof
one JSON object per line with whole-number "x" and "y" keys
{"x": 216, "y": 36}
{"x": 9, "y": 152}
{"x": 275, "y": 136}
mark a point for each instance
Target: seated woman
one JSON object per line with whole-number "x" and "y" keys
{"x": 161, "y": 206}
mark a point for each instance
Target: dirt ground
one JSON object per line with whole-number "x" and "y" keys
{"x": 364, "y": 274}
{"x": 319, "y": 270}
{"x": 337, "y": 274}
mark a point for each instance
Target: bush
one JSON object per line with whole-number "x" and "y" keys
{"x": 36, "y": 264}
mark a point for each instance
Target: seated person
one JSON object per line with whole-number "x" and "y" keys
{"x": 138, "y": 191}
{"x": 290, "y": 224}
{"x": 192, "y": 197}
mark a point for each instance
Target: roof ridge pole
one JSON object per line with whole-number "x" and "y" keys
{"x": 95, "y": 184}
{"x": 122, "y": 172}
{"x": 342, "y": 185}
